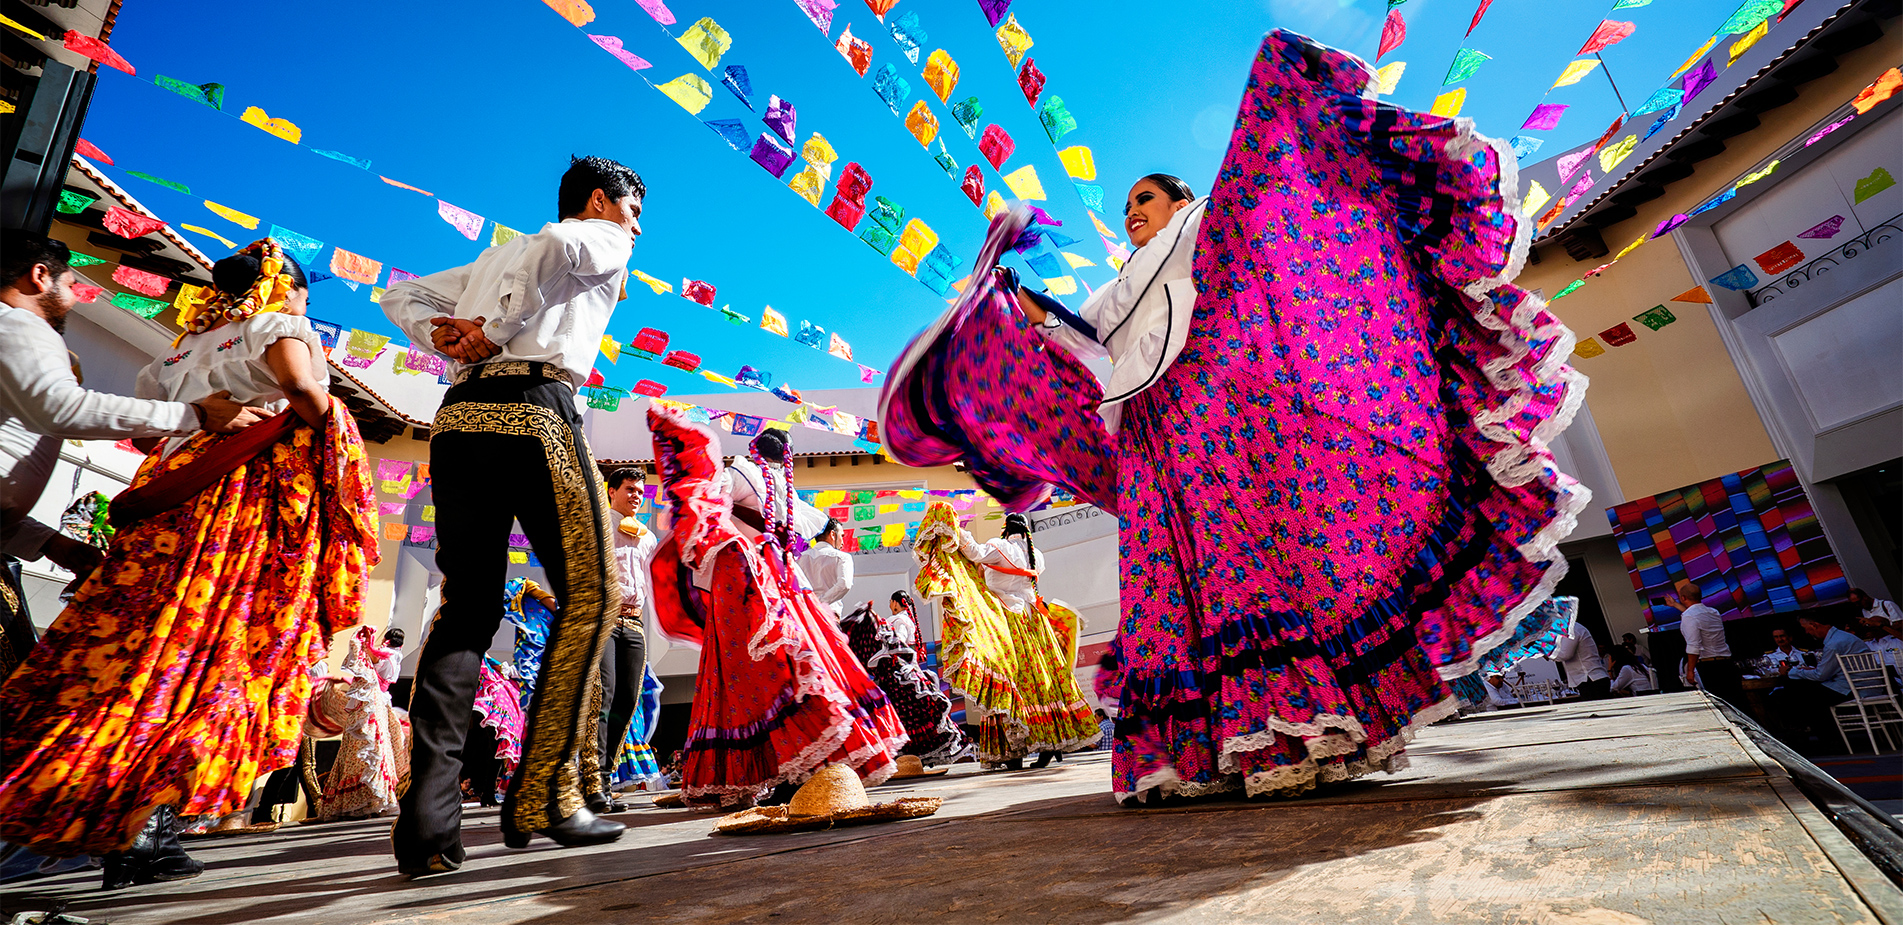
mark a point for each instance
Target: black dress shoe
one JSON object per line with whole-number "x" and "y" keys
{"x": 601, "y": 804}
{"x": 442, "y": 862}
{"x": 582, "y": 828}
{"x": 1043, "y": 758}
{"x": 436, "y": 864}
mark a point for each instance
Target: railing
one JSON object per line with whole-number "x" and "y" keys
{"x": 1885, "y": 232}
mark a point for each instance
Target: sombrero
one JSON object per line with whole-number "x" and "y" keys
{"x": 831, "y": 798}
{"x": 910, "y": 766}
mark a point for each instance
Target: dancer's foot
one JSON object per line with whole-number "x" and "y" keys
{"x": 601, "y": 804}
{"x": 1043, "y": 759}
{"x": 582, "y": 828}
{"x": 155, "y": 856}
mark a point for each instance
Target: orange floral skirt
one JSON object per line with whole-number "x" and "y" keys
{"x": 177, "y": 674}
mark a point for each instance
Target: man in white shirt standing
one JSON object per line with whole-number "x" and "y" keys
{"x": 1578, "y": 653}
{"x": 624, "y": 661}
{"x": 42, "y": 403}
{"x": 828, "y": 568}
{"x": 1874, "y": 609}
{"x": 1707, "y": 652}
{"x": 523, "y": 325}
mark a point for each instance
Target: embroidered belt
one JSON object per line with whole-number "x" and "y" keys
{"x": 513, "y": 368}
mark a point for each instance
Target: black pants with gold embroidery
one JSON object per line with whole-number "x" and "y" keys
{"x": 504, "y": 449}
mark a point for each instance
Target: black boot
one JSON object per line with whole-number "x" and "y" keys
{"x": 1043, "y": 758}
{"x": 154, "y": 857}
{"x": 781, "y": 795}
{"x": 582, "y": 828}
{"x": 170, "y": 862}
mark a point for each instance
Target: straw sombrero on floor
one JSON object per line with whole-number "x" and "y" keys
{"x": 910, "y": 766}
{"x": 832, "y": 798}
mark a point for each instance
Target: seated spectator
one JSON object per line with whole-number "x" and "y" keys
{"x": 1883, "y": 637}
{"x": 1499, "y": 695}
{"x": 1874, "y": 609}
{"x": 1783, "y": 652}
{"x": 1630, "y": 643}
{"x": 1628, "y": 674}
{"x": 1804, "y": 699}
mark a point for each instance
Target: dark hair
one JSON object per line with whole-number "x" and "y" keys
{"x": 21, "y": 251}
{"x": 625, "y": 473}
{"x": 587, "y": 174}
{"x": 1172, "y": 186}
{"x": 831, "y": 525}
{"x": 902, "y": 598}
{"x": 235, "y": 274}
{"x": 393, "y": 637}
{"x": 772, "y": 445}
{"x": 1020, "y": 525}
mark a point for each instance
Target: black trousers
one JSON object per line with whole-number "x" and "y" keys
{"x": 623, "y": 665}
{"x": 1722, "y": 678}
{"x": 17, "y": 636}
{"x": 1802, "y": 706}
{"x": 1595, "y": 690}
{"x": 505, "y": 449}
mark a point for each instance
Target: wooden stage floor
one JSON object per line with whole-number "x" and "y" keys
{"x": 1649, "y": 810}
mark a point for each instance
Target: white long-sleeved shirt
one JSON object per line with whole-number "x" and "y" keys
{"x": 1016, "y": 592}
{"x": 42, "y": 403}
{"x": 1580, "y": 655}
{"x": 547, "y": 297}
{"x": 1631, "y": 679}
{"x": 1885, "y": 609}
{"x": 1704, "y": 632}
{"x": 1501, "y": 695}
{"x": 830, "y": 570}
{"x": 634, "y": 548}
{"x": 1142, "y": 317}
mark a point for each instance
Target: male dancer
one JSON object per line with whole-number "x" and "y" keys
{"x": 523, "y": 324}
{"x": 624, "y": 660}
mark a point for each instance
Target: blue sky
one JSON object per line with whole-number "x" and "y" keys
{"x": 482, "y": 102}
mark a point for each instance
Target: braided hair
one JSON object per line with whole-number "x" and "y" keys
{"x": 1019, "y": 525}
{"x": 777, "y": 507}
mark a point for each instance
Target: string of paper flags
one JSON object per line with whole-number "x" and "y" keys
{"x": 1779, "y": 259}
{"x": 910, "y": 244}
{"x": 355, "y": 269}
{"x": 1752, "y": 21}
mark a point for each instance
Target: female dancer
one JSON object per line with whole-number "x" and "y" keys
{"x": 887, "y": 647}
{"x": 1338, "y": 483}
{"x": 178, "y": 673}
{"x": 373, "y": 761}
{"x": 1009, "y": 663}
{"x": 780, "y": 693}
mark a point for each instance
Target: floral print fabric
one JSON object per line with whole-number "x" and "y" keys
{"x": 1006, "y": 663}
{"x": 1340, "y": 490}
{"x": 178, "y": 673}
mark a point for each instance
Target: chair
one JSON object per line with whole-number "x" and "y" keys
{"x": 1872, "y": 706}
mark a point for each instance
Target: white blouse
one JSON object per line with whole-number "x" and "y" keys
{"x": 1016, "y": 592}
{"x": 230, "y": 358}
{"x": 1142, "y": 318}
